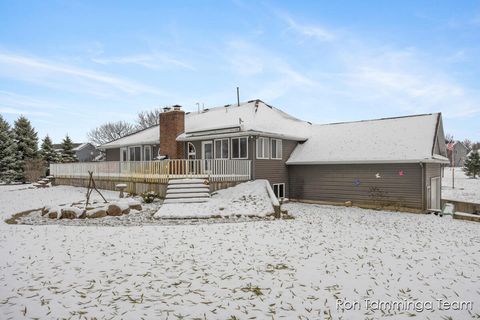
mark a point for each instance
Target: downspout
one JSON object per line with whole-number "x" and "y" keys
{"x": 254, "y": 157}
{"x": 423, "y": 187}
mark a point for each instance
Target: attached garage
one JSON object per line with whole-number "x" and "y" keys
{"x": 394, "y": 162}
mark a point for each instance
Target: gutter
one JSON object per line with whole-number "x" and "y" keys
{"x": 366, "y": 162}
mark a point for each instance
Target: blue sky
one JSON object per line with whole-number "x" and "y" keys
{"x": 71, "y": 65}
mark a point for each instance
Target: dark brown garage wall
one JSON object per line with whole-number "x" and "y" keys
{"x": 273, "y": 170}
{"x": 337, "y": 183}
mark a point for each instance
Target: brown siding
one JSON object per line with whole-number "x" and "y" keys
{"x": 274, "y": 171}
{"x": 112, "y": 154}
{"x": 336, "y": 183}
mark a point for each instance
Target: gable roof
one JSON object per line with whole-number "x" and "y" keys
{"x": 253, "y": 116}
{"x": 149, "y": 135}
{"x": 394, "y": 140}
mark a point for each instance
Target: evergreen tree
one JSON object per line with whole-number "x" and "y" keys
{"x": 7, "y": 153}
{"x": 47, "y": 151}
{"x": 27, "y": 145}
{"x": 68, "y": 155}
{"x": 471, "y": 166}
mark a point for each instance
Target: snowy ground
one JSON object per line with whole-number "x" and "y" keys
{"x": 290, "y": 269}
{"x": 246, "y": 199}
{"x": 466, "y": 189}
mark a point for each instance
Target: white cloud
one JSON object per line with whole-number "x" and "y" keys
{"x": 54, "y": 74}
{"x": 150, "y": 61}
{"x": 307, "y": 30}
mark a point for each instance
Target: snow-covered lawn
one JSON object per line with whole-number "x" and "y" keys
{"x": 466, "y": 189}
{"x": 290, "y": 269}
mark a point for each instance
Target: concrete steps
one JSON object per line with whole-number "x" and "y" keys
{"x": 187, "y": 191}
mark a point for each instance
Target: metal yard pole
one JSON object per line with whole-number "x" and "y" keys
{"x": 453, "y": 169}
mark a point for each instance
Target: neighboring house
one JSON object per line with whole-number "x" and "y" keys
{"x": 393, "y": 161}
{"x": 457, "y": 153}
{"x": 83, "y": 151}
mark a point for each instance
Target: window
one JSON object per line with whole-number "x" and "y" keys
{"x": 147, "y": 153}
{"x": 192, "y": 152}
{"x": 221, "y": 149}
{"x": 134, "y": 153}
{"x": 123, "y": 154}
{"x": 239, "y": 148}
{"x": 276, "y": 149}
{"x": 262, "y": 148}
{"x": 279, "y": 190}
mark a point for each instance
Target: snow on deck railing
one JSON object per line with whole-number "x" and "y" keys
{"x": 156, "y": 171}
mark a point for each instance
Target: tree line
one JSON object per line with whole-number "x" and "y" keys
{"x": 19, "y": 145}
{"x": 110, "y": 131}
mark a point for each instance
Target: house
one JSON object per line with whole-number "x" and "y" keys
{"x": 83, "y": 151}
{"x": 394, "y": 162}
{"x": 457, "y": 153}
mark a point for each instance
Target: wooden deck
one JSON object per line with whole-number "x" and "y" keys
{"x": 215, "y": 170}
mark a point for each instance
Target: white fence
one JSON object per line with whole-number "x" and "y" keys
{"x": 156, "y": 171}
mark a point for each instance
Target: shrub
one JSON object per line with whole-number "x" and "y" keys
{"x": 149, "y": 196}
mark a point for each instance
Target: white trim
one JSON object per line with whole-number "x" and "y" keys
{"x": 141, "y": 155}
{"x": 121, "y": 154}
{"x": 194, "y": 153}
{"x": 279, "y": 147}
{"x": 365, "y": 161}
{"x": 145, "y": 149}
{"x": 263, "y": 148}
{"x": 221, "y": 148}
{"x": 231, "y": 148}
{"x": 203, "y": 148}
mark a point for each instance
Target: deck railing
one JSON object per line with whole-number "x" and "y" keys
{"x": 156, "y": 171}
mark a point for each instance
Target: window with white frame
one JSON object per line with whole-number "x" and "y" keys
{"x": 192, "y": 151}
{"x": 276, "y": 148}
{"x": 279, "y": 190}
{"x": 147, "y": 153}
{"x": 135, "y": 153}
{"x": 123, "y": 154}
{"x": 240, "y": 148}
{"x": 263, "y": 148}
{"x": 221, "y": 148}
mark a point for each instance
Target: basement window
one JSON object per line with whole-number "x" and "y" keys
{"x": 239, "y": 148}
{"x": 279, "y": 190}
{"x": 221, "y": 148}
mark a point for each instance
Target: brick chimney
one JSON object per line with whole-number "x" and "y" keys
{"x": 172, "y": 124}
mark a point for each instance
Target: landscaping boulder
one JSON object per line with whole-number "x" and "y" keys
{"x": 135, "y": 205}
{"x": 72, "y": 213}
{"x": 96, "y": 213}
{"x": 114, "y": 210}
{"x": 46, "y": 210}
{"x": 54, "y": 213}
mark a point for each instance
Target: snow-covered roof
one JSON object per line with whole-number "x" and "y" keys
{"x": 146, "y": 136}
{"x": 402, "y": 139}
{"x": 253, "y": 116}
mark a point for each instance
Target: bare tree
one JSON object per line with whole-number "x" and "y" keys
{"x": 476, "y": 145}
{"x": 146, "y": 119}
{"x": 467, "y": 143}
{"x": 449, "y": 138}
{"x": 110, "y": 131}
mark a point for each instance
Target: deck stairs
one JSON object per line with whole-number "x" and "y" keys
{"x": 187, "y": 191}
